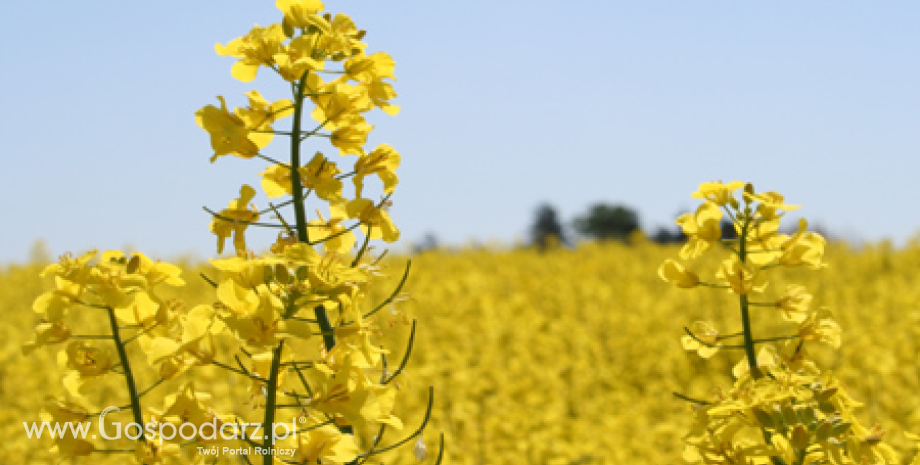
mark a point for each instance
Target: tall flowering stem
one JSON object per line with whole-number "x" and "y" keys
{"x": 296, "y": 321}
{"x": 296, "y": 184}
{"x": 126, "y": 369}
{"x": 783, "y": 408}
{"x": 745, "y": 311}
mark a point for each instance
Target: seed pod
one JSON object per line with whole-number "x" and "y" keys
{"x": 763, "y": 418}
{"x": 800, "y": 438}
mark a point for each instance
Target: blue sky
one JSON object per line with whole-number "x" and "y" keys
{"x": 505, "y": 105}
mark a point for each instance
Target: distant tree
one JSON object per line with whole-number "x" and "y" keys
{"x": 728, "y": 230}
{"x": 429, "y": 242}
{"x": 605, "y": 222}
{"x": 546, "y": 230}
{"x": 669, "y": 236}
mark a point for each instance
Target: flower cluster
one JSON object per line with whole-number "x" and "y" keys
{"x": 294, "y": 323}
{"x": 783, "y": 408}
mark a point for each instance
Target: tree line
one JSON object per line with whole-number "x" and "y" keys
{"x": 602, "y": 222}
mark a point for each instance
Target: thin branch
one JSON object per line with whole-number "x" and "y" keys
{"x": 395, "y": 292}
{"x": 690, "y": 399}
{"x": 415, "y": 433}
{"x": 234, "y": 370}
{"x": 440, "y": 451}
{"x": 272, "y": 160}
{"x": 384, "y": 254}
{"x": 367, "y": 240}
{"x": 236, "y": 221}
{"x": 141, "y": 333}
{"x": 206, "y": 278}
{"x": 709, "y": 344}
{"x": 405, "y": 360}
{"x": 152, "y": 386}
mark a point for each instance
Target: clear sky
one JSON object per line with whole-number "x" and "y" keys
{"x": 506, "y": 104}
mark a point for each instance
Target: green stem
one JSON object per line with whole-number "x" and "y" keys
{"x": 746, "y": 329}
{"x": 749, "y": 338}
{"x": 367, "y": 240}
{"x": 325, "y": 327}
{"x": 129, "y": 377}
{"x": 271, "y": 402}
{"x": 745, "y": 314}
{"x": 296, "y": 184}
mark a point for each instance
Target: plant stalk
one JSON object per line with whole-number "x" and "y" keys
{"x": 129, "y": 377}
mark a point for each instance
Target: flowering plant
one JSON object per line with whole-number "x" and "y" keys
{"x": 783, "y": 409}
{"x": 293, "y": 324}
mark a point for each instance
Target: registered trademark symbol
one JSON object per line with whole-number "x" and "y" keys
{"x": 303, "y": 419}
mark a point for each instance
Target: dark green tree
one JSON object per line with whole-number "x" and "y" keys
{"x": 546, "y": 230}
{"x": 605, "y": 222}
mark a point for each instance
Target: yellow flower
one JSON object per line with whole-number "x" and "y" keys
{"x": 46, "y": 333}
{"x": 276, "y": 181}
{"x": 739, "y": 277}
{"x": 190, "y": 406}
{"x": 137, "y": 308}
{"x": 803, "y": 248}
{"x": 229, "y": 134}
{"x": 703, "y": 228}
{"x": 770, "y": 202}
{"x": 320, "y": 175}
{"x": 340, "y": 37}
{"x": 820, "y": 326}
{"x": 341, "y": 389}
{"x": 674, "y": 273}
{"x": 85, "y": 361}
{"x": 234, "y": 219}
{"x": 368, "y": 68}
{"x": 333, "y": 234}
{"x": 371, "y": 72}
{"x": 766, "y": 358}
{"x": 260, "y": 116}
{"x": 157, "y": 272}
{"x": 61, "y": 413}
{"x": 257, "y": 48}
{"x": 255, "y": 316}
{"x": 296, "y": 59}
{"x": 338, "y": 104}
{"x": 195, "y": 345}
{"x": 383, "y": 162}
{"x": 763, "y": 243}
{"x": 381, "y": 93}
{"x": 794, "y": 303}
{"x": 300, "y": 13}
{"x": 374, "y": 221}
{"x": 717, "y": 193}
{"x": 705, "y": 344}
{"x": 54, "y": 304}
{"x": 239, "y": 300}
{"x": 323, "y": 444}
{"x": 351, "y": 137}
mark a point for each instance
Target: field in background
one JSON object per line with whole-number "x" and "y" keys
{"x": 564, "y": 357}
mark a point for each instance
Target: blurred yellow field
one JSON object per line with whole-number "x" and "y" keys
{"x": 564, "y": 357}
